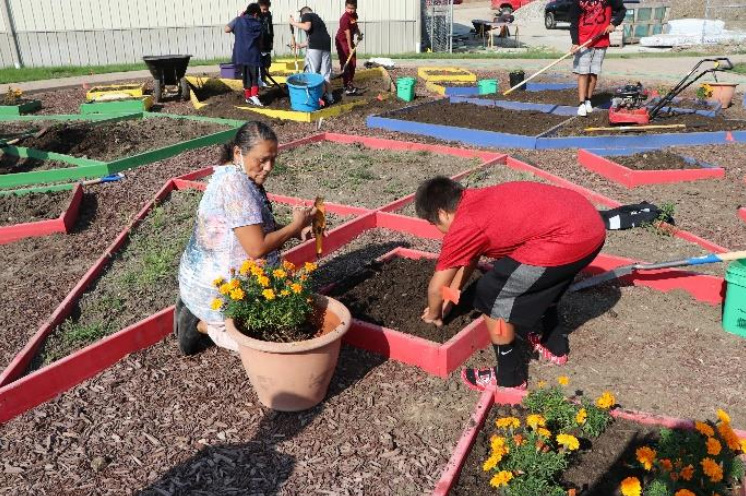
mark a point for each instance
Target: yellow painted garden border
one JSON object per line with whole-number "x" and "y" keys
{"x": 459, "y": 75}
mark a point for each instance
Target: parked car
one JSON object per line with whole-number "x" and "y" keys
{"x": 559, "y": 11}
{"x": 508, "y": 6}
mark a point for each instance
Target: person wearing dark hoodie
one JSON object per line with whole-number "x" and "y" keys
{"x": 268, "y": 39}
{"x": 592, "y": 20}
{"x": 247, "y": 50}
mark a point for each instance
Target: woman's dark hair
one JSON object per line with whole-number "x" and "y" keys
{"x": 247, "y": 137}
{"x": 434, "y": 194}
{"x": 253, "y": 9}
{"x": 265, "y": 2}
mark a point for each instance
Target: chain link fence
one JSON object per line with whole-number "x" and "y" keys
{"x": 437, "y": 25}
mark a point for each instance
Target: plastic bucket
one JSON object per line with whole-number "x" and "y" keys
{"x": 405, "y": 88}
{"x": 734, "y": 308}
{"x": 306, "y": 89}
{"x": 230, "y": 71}
{"x": 517, "y": 77}
{"x": 487, "y": 86}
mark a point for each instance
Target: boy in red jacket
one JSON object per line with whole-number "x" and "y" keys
{"x": 591, "y": 19}
{"x": 540, "y": 236}
{"x": 348, "y": 28}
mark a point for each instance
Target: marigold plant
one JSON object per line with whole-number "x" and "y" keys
{"x": 268, "y": 303}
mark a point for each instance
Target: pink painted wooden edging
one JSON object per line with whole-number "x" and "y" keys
{"x": 62, "y": 224}
{"x": 742, "y": 213}
{"x": 630, "y": 178}
{"x": 501, "y": 396}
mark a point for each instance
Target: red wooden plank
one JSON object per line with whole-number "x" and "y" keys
{"x": 62, "y": 224}
{"x": 70, "y": 215}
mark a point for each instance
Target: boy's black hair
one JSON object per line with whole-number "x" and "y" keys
{"x": 352, "y": 3}
{"x": 265, "y": 2}
{"x": 434, "y": 194}
{"x": 253, "y": 9}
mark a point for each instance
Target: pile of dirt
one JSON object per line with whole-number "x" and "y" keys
{"x": 567, "y": 97}
{"x": 657, "y": 160}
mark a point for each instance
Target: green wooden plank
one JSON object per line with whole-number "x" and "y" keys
{"x": 214, "y": 120}
{"x": 69, "y": 117}
{"x": 24, "y": 108}
{"x": 20, "y": 151}
{"x": 39, "y": 189}
{"x": 51, "y": 176}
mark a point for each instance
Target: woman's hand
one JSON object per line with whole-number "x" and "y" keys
{"x": 302, "y": 217}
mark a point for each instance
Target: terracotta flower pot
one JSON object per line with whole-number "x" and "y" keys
{"x": 723, "y": 92}
{"x": 291, "y": 377}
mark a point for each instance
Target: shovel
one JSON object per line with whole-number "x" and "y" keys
{"x": 344, "y": 67}
{"x": 628, "y": 269}
{"x": 319, "y": 224}
{"x": 28, "y": 134}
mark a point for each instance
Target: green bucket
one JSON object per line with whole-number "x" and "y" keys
{"x": 734, "y": 309}
{"x": 405, "y": 88}
{"x": 487, "y": 86}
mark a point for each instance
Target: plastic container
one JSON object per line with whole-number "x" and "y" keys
{"x": 405, "y": 88}
{"x": 230, "y": 71}
{"x": 306, "y": 89}
{"x": 723, "y": 92}
{"x": 517, "y": 77}
{"x": 487, "y": 86}
{"x": 734, "y": 308}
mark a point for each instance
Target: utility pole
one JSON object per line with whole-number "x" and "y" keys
{"x": 11, "y": 30}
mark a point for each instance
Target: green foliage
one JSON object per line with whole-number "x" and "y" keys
{"x": 704, "y": 91}
{"x": 554, "y": 407}
{"x": 740, "y": 68}
{"x": 535, "y": 463}
{"x": 596, "y": 421}
{"x": 75, "y": 333}
{"x": 657, "y": 488}
{"x": 659, "y": 226}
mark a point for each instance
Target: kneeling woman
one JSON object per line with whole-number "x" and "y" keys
{"x": 234, "y": 223}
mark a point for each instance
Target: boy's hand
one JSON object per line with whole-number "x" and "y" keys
{"x": 292, "y": 19}
{"x": 574, "y": 48}
{"x": 429, "y": 318}
{"x": 610, "y": 29}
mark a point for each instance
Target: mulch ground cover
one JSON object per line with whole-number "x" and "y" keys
{"x": 596, "y": 470}
{"x": 657, "y": 160}
{"x": 375, "y": 295}
{"x": 693, "y": 123}
{"x": 13, "y": 100}
{"x": 567, "y": 97}
{"x": 159, "y": 423}
{"x": 111, "y": 140}
{"x": 10, "y": 164}
{"x": 470, "y": 116}
{"x": 357, "y": 175}
{"x": 33, "y": 207}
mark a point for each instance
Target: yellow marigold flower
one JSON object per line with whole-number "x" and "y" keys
{"x": 256, "y": 270}
{"x": 497, "y": 444}
{"x": 729, "y": 435}
{"x": 581, "y": 416}
{"x": 704, "y": 429}
{"x": 310, "y": 267}
{"x": 535, "y": 421}
{"x": 216, "y": 304}
{"x": 666, "y": 464}
{"x": 508, "y": 423}
{"x": 268, "y": 294}
{"x": 646, "y": 456}
{"x": 235, "y": 283}
{"x": 544, "y": 432}
{"x": 263, "y": 281}
{"x": 742, "y": 442}
{"x": 218, "y": 282}
{"x": 568, "y": 441}
{"x": 284, "y": 292}
{"x": 237, "y": 294}
{"x": 279, "y": 273}
{"x": 684, "y": 492}
{"x": 631, "y": 487}
{"x": 563, "y": 380}
{"x": 225, "y": 289}
{"x": 712, "y": 469}
{"x": 724, "y": 417}
{"x": 246, "y": 267}
{"x": 296, "y": 288}
{"x": 501, "y": 479}
{"x": 288, "y": 265}
{"x": 491, "y": 462}
{"x": 541, "y": 384}
{"x": 713, "y": 446}
{"x": 606, "y": 401}
{"x": 687, "y": 473}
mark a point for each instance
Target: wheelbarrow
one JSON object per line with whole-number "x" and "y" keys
{"x": 168, "y": 70}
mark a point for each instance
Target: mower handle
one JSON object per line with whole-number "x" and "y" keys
{"x": 723, "y": 64}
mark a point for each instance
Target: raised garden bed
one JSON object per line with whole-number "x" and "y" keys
{"x": 654, "y": 167}
{"x": 693, "y": 123}
{"x": 38, "y": 214}
{"x": 563, "y": 97}
{"x": 449, "y": 74}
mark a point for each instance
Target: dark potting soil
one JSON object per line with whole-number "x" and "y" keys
{"x": 394, "y": 294}
{"x": 10, "y": 164}
{"x": 567, "y": 97}
{"x": 694, "y": 124}
{"x": 211, "y": 88}
{"x": 691, "y": 103}
{"x": 470, "y": 116}
{"x": 657, "y": 160}
{"x": 112, "y": 140}
{"x": 32, "y": 207}
{"x": 597, "y": 470}
{"x": 12, "y": 101}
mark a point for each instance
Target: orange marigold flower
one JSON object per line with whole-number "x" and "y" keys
{"x": 237, "y": 294}
{"x": 216, "y": 304}
{"x": 631, "y": 487}
{"x": 501, "y": 479}
{"x": 535, "y": 421}
{"x": 508, "y": 423}
{"x": 684, "y": 492}
{"x": 724, "y": 417}
{"x": 296, "y": 288}
{"x": 268, "y": 294}
{"x": 279, "y": 273}
{"x": 713, "y": 446}
{"x": 704, "y": 429}
{"x": 288, "y": 265}
{"x": 263, "y": 281}
{"x": 581, "y": 416}
{"x": 606, "y": 401}
{"x": 674, "y": 476}
{"x": 563, "y": 380}
{"x": 729, "y": 435}
{"x": 712, "y": 469}
{"x": 646, "y": 456}
{"x": 687, "y": 473}
{"x": 544, "y": 432}
{"x": 742, "y": 443}
{"x": 235, "y": 283}
{"x": 666, "y": 464}
{"x": 303, "y": 277}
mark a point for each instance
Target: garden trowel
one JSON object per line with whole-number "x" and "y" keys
{"x": 628, "y": 269}
{"x": 319, "y": 224}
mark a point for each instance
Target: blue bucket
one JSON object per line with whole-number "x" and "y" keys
{"x": 305, "y": 91}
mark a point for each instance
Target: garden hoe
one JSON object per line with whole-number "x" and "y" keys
{"x": 628, "y": 269}
{"x": 352, "y": 54}
{"x": 295, "y": 47}
{"x": 319, "y": 224}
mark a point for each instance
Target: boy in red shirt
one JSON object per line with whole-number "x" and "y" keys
{"x": 589, "y": 19}
{"x": 348, "y": 28}
{"x": 540, "y": 236}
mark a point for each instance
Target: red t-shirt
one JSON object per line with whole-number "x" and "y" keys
{"x": 595, "y": 16}
{"x": 347, "y": 21}
{"x": 533, "y": 223}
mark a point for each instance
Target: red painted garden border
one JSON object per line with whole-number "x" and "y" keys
{"x": 62, "y": 224}
{"x": 742, "y": 213}
{"x": 501, "y": 396}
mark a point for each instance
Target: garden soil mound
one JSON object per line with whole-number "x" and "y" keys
{"x": 32, "y": 207}
{"x": 567, "y": 98}
{"x": 657, "y": 160}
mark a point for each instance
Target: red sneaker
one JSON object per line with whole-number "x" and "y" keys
{"x": 481, "y": 379}
{"x": 544, "y": 352}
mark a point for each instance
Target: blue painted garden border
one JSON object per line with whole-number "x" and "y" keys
{"x": 461, "y": 90}
{"x": 715, "y": 108}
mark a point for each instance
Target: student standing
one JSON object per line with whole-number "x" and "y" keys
{"x": 319, "y": 48}
{"x": 348, "y": 28}
{"x": 247, "y": 50}
{"x": 268, "y": 39}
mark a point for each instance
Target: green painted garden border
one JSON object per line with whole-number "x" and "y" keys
{"x": 16, "y": 110}
{"x": 87, "y": 168}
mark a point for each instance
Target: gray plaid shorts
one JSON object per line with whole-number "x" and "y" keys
{"x": 320, "y": 62}
{"x": 588, "y": 61}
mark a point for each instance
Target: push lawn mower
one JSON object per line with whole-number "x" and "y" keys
{"x": 630, "y": 106}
